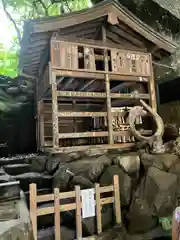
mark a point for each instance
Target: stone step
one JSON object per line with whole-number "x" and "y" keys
{"x": 16, "y": 169}
{"x": 17, "y": 159}
{"x": 42, "y": 181}
{"x": 9, "y": 191}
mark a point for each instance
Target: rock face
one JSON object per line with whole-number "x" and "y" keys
{"x": 163, "y": 186}
{"x": 130, "y": 162}
{"x": 124, "y": 181}
{"x": 149, "y": 189}
{"x": 90, "y": 167}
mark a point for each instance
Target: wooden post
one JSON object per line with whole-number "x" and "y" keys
{"x": 117, "y": 202}
{"x": 33, "y": 209}
{"x": 98, "y": 208}
{"x": 55, "y": 120}
{"x": 78, "y": 213}
{"x": 152, "y": 87}
{"x": 41, "y": 122}
{"x": 108, "y": 98}
{"x": 74, "y": 118}
{"x": 57, "y": 221}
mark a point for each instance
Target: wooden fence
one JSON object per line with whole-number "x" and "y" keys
{"x": 99, "y": 201}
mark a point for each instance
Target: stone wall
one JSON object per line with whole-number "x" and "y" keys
{"x": 149, "y": 188}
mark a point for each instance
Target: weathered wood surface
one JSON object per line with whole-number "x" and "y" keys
{"x": 123, "y": 62}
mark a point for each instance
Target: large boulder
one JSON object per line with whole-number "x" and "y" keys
{"x": 38, "y": 163}
{"x": 149, "y": 160}
{"x": 130, "y": 162}
{"x": 161, "y": 161}
{"x": 88, "y": 167}
{"x": 89, "y": 225}
{"x": 124, "y": 182}
{"x": 61, "y": 179}
{"x": 53, "y": 161}
{"x": 161, "y": 190}
{"x": 168, "y": 160}
{"x": 83, "y": 182}
{"x": 140, "y": 217}
{"x": 175, "y": 169}
{"x": 154, "y": 197}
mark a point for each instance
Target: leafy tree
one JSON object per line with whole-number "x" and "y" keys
{"x": 8, "y": 61}
{"x": 17, "y": 11}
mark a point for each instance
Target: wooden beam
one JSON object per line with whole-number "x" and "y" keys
{"x": 82, "y": 114}
{"x": 81, "y": 94}
{"x": 87, "y": 85}
{"x": 101, "y": 95}
{"x": 152, "y": 88}
{"x": 122, "y": 133}
{"x": 130, "y": 96}
{"x": 99, "y": 75}
{"x": 121, "y": 86}
{"x": 55, "y": 124}
{"x": 92, "y": 134}
{"x": 83, "y": 135}
{"x": 95, "y": 44}
{"x": 128, "y": 37}
{"x": 86, "y": 147}
{"x": 68, "y": 82}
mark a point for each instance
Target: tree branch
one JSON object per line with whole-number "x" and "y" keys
{"x": 44, "y": 7}
{"x": 12, "y": 20}
{"x": 67, "y": 5}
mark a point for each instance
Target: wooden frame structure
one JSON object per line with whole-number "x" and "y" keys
{"x": 92, "y": 67}
{"x": 77, "y": 205}
{"x": 66, "y": 60}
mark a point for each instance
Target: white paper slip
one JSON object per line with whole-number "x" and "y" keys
{"x": 88, "y": 203}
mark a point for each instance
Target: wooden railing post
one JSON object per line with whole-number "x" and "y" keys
{"x": 117, "y": 203}
{"x": 55, "y": 120}
{"x": 77, "y": 205}
{"x": 33, "y": 209}
{"x": 57, "y": 221}
{"x": 108, "y": 97}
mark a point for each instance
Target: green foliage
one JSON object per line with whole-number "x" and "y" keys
{"x": 20, "y": 10}
{"x": 8, "y": 62}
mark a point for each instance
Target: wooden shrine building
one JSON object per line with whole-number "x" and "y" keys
{"x": 91, "y": 67}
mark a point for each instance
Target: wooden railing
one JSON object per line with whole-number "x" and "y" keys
{"x": 77, "y": 205}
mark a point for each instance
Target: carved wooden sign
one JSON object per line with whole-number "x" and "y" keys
{"x": 65, "y": 55}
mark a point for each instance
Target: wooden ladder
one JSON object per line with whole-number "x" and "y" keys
{"x": 77, "y": 206}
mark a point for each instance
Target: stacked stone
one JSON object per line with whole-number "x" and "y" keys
{"x": 149, "y": 188}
